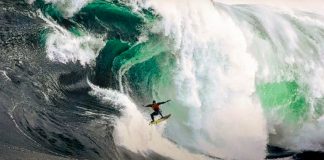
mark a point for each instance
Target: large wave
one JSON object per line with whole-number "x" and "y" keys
{"x": 241, "y": 77}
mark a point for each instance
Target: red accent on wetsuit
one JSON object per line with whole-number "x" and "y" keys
{"x": 156, "y": 107}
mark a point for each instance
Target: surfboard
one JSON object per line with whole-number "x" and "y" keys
{"x": 161, "y": 119}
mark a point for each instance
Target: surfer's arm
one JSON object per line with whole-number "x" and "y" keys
{"x": 149, "y": 105}
{"x": 164, "y": 102}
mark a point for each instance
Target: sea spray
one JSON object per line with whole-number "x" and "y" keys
{"x": 133, "y": 132}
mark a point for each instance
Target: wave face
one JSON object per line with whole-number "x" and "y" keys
{"x": 241, "y": 78}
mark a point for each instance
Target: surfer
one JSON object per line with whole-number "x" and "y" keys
{"x": 156, "y": 107}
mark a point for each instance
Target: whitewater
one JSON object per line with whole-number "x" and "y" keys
{"x": 219, "y": 62}
{"x": 242, "y": 78}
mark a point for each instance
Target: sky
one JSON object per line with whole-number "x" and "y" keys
{"x": 306, "y": 5}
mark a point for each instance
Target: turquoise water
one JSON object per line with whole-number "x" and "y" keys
{"x": 286, "y": 98}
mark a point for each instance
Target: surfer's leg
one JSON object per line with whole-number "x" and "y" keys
{"x": 152, "y": 115}
{"x": 160, "y": 113}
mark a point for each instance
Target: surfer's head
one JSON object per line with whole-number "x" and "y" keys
{"x": 154, "y": 101}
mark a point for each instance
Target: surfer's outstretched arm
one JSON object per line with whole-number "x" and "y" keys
{"x": 164, "y": 102}
{"x": 149, "y": 105}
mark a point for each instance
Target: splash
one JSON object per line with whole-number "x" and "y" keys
{"x": 133, "y": 132}
{"x": 63, "y": 46}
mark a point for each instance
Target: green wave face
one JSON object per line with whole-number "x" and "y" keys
{"x": 115, "y": 20}
{"x": 286, "y": 99}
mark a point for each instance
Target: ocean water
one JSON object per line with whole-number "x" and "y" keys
{"x": 245, "y": 81}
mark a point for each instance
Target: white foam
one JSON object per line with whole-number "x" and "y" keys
{"x": 63, "y": 46}
{"x": 290, "y": 48}
{"x": 314, "y": 6}
{"x": 133, "y": 131}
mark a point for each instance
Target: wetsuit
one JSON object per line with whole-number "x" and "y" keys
{"x": 157, "y": 111}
